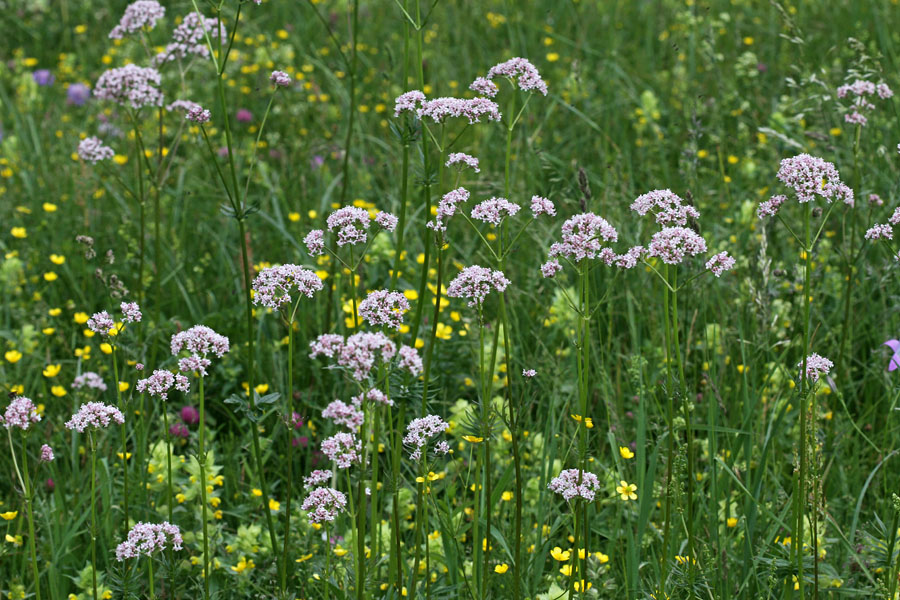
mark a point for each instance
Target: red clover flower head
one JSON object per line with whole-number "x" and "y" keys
{"x": 101, "y": 323}
{"x": 383, "y": 307}
{"x": 280, "y": 79}
{"x": 94, "y": 415}
{"x": 474, "y": 109}
{"x": 315, "y": 242}
{"x": 463, "y": 160}
{"x": 447, "y": 207}
{"x": 132, "y": 85}
{"x": 324, "y": 504}
{"x": 720, "y": 263}
{"x": 47, "y": 453}
{"x": 149, "y": 538}
{"x": 89, "y": 379}
{"x": 410, "y": 360}
{"x": 475, "y": 283}
{"x": 20, "y": 413}
{"x": 567, "y": 485}
{"x": 542, "y": 206}
{"x": 408, "y": 102}
{"x": 273, "y": 285}
{"x": 343, "y": 449}
{"x": 494, "y": 210}
{"x": 668, "y": 207}
{"x": 816, "y": 366}
{"x": 92, "y": 150}
{"x": 138, "y": 15}
{"x": 810, "y": 176}
{"x": 420, "y": 430}
{"x": 351, "y": 223}
{"x": 673, "y": 244}
{"x": 528, "y": 77}
{"x": 582, "y": 236}
{"x": 199, "y": 340}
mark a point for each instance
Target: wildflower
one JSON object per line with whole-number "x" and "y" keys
{"x": 672, "y": 244}
{"x": 92, "y": 150}
{"x": 131, "y": 312}
{"x": 542, "y": 206}
{"x": 447, "y": 208}
{"x": 9, "y": 515}
{"x": 20, "y": 413}
{"x": 383, "y": 307}
{"x": 90, "y": 380}
{"x": 344, "y": 414}
{"x": 859, "y": 91}
{"x": 77, "y": 94}
{"x": 101, "y": 323}
{"x": 501, "y": 569}
{"x": 140, "y": 15}
{"x": 731, "y": 522}
{"x": 769, "y": 208}
{"x": 148, "y": 538}
{"x": 720, "y": 263}
{"x": 324, "y": 504}
{"x": 582, "y": 236}
{"x": 317, "y": 478}
{"x": 343, "y": 449}
{"x": 574, "y": 483}
{"x": 46, "y": 453}
{"x": 410, "y": 360}
{"x": 189, "y": 38}
{"x": 475, "y": 283}
{"x": 669, "y": 208}
{"x": 280, "y": 79}
{"x": 550, "y": 268}
{"x": 420, "y": 430}
{"x": 880, "y": 231}
{"x": 94, "y": 415}
{"x": 493, "y": 211}
{"x": 273, "y": 285}
{"x": 895, "y": 359}
{"x": 816, "y": 366}
{"x": 274, "y": 505}
{"x": 315, "y": 242}
{"x": 132, "y": 85}
{"x": 198, "y": 114}
{"x": 351, "y": 223}
{"x": 625, "y": 452}
{"x": 626, "y": 491}
{"x": 484, "y": 86}
{"x": 43, "y": 77}
{"x": 559, "y": 554}
{"x": 810, "y": 176}
{"x": 189, "y": 415}
{"x": 463, "y": 160}
{"x": 51, "y": 370}
{"x": 199, "y": 340}
{"x": 161, "y": 381}
{"x": 875, "y": 200}
{"x": 408, "y": 102}
{"x": 386, "y": 220}
{"x": 528, "y": 77}
{"x": 440, "y": 109}
{"x": 243, "y": 565}
{"x": 179, "y": 430}
{"x": 529, "y": 373}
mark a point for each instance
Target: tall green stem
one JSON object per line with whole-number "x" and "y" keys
{"x": 124, "y": 434}
{"x": 670, "y": 426}
{"x": 851, "y": 257}
{"x": 800, "y": 507}
{"x": 290, "y": 459}
{"x": 29, "y": 507}
{"x": 203, "y": 483}
{"x": 93, "y": 514}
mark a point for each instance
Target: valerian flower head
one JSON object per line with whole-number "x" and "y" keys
{"x": 280, "y": 79}
{"x": 474, "y": 109}
{"x": 522, "y": 72}
{"x": 475, "y": 283}
{"x": 324, "y": 504}
{"x": 447, "y": 207}
{"x": 408, "y": 102}
{"x": 572, "y": 484}
{"x": 94, "y": 415}
{"x": 140, "y": 15}
{"x": 667, "y": 207}
{"x": 816, "y": 366}
{"x": 462, "y": 160}
{"x": 384, "y": 308}
{"x": 810, "y": 176}
{"x": 582, "y": 237}
{"x": 673, "y": 244}
{"x": 20, "y": 413}
{"x": 720, "y": 263}
{"x": 343, "y": 449}
{"x": 494, "y": 210}
{"x": 147, "y": 539}
{"x": 420, "y": 431}
{"x": 274, "y": 285}
{"x": 132, "y": 85}
{"x": 92, "y": 150}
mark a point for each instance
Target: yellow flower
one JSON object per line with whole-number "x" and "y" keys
{"x": 506, "y": 496}
{"x": 123, "y": 386}
{"x": 127, "y": 455}
{"x": 559, "y": 554}
{"x": 215, "y": 501}
{"x": 105, "y": 348}
{"x": 57, "y": 259}
{"x": 274, "y": 504}
{"x": 731, "y": 522}
{"x": 13, "y": 356}
{"x": 552, "y": 56}
{"x": 19, "y": 232}
{"x": 566, "y": 570}
{"x": 9, "y": 516}
{"x": 338, "y": 551}
{"x": 14, "y": 540}
{"x": 48, "y": 330}
{"x": 243, "y": 565}
{"x": 54, "y": 312}
{"x": 180, "y": 498}
{"x": 52, "y": 370}
{"x": 626, "y": 452}
{"x": 304, "y": 558}
{"x": 50, "y": 276}
{"x": 294, "y": 216}
{"x": 256, "y": 492}
{"x": 473, "y": 439}
{"x": 586, "y": 585}
{"x": 58, "y": 391}
{"x": 501, "y": 569}
{"x": 49, "y": 207}
{"x": 262, "y": 388}
{"x": 81, "y": 317}
{"x": 626, "y": 490}
{"x": 603, "y": 558}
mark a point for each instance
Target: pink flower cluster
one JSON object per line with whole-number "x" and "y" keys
{"x": 484, "y": 86}
{"x": 582, "y": 236}
{"x": 342, "y": 449}
{"x": 529, "y": 79}
{"x": 386, "y": 220}
{"x": 880, "y": 231}
{"x": 101, "y": 323}
{"x": 494, "y": 210}
{"x": 147, "y": 538}
{"x": 324, "y": 504}
{"x": 475, "y": 283}
{"x": 315, "y": 242}
{"x": 474, "y": 109}
{"x": 408, "y": 102}
{"x": 198, "y": 114}
{"x": 138, "y": 15}
{"x": 280, "y": 79}
{"x": 351, "y": 223}
{"x": 720, "y": 263}
{"x": 94, "y": 415}
{"x": 161, "y": 381}
{"x": 667, "y": 206}
{"x": 447, "y": 207}
{"x": 384, "y": 308}
{"x": 861, "y": 89}
{"x": 420, "y": 430}
{"x": 375, "y": 396}
{"x": 92, "y": 150}
{"x": 816, "y": 366}
{"x": 410, "y": 360}
{"x": 131, "y": 84}
{"x": 47, "y": 453}
{"x": 199, "y": 340}
{"x": 346, "y": 415}
{"x": 550, "y": 268}
{"x": 317, "y": 478}
{"x": 463, "y": 160}
{"x": 769, "y": 208}
{"x": 20, "y": 413}
{"x": 131, "y": 312}
{"x": 357, "y": 353}
{"x": 810, "y": 176}
{"x": 542, "y": 206}
{"x": 273, "y": 285}
{"x": 573, "y": 483}
{"x": 673, "y": 244}
{"x": 189, "y": 38}
{"x": 89, "y": 379}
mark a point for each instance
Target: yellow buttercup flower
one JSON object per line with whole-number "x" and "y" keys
{"x": 13, "y": 356}
{"x": 18, "y": 232}
{"x": 559, "y": 554}
{"x": 274, "y": 504}
{"x": 626, "y": 452}
{"x": 57, "y": 259}
{"x": 58, "y": 391}
{"x": 473, "y": 439}
{"x": 9, "y": 516}
{"x": 52, "y": 370}
{"x": 501, "y": 569}
{"x": 626, "y": 490}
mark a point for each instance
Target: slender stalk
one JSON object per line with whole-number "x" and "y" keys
{"x": 851, "y": 259}
{"x": 893, "y": 565}
{"x": 290, "y": 459}
{"x": 670, "y": 426}
{"x": 29, "y": 507}
{"x": 203, "y": 510}
{"x": 150, "y": 577}
{"x": 169, "y": 500}
{"x": 420, "y": 491}
{"x": 797, "y": 540}
{"x": 93, "y": 514}
{"x": 138, "y": 151}
{"x": 125, "y": 525}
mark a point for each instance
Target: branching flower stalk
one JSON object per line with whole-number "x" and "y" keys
{"x": 25, "y": 482}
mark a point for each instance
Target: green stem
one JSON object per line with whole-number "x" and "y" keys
{"x": 29, "y": 506}
{"x": 150, "y": 577}
{"x": 169, "y": 500}
{"x": 115, "y": 351}
{"x": 290, "y": 460}
{"x": 797, "y": 540}
{"x": 203, "y": 509}
{"x": 851, "y": 259}
{"x": 670, "y": 426}
{"x": 93, "y": 514}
